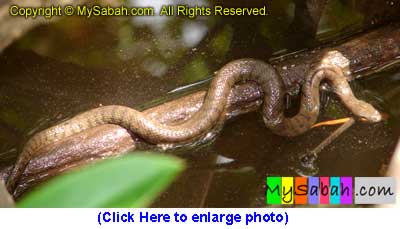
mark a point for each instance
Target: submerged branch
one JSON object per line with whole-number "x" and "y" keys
{"x": 332, "y": 137}
{"x": 6, "y": 201}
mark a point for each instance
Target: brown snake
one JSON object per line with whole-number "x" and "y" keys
{"x": 210, "y": 113}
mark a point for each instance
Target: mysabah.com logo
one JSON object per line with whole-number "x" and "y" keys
{"x": 330, "y": 190}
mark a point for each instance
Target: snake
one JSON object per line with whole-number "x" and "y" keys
{"x": 211, "y": 111}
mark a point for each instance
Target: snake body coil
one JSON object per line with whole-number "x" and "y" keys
{"x": 211, "y": 111}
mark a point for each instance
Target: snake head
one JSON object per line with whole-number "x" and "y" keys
{"x": 368, "y": 112}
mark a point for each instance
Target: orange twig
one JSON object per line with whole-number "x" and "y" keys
{"x": 331, "y": 122}
{"x": 344, "y": 120}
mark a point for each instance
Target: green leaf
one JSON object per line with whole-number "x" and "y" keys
{"x": 129, "y": 181}
{"x": 196, "y": 70}
{"x": 222, "y": 42}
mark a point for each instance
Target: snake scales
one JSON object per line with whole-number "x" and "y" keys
{"x": 212, "y": 110}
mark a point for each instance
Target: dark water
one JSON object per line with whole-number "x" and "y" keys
{"x": 75, "y": 64}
